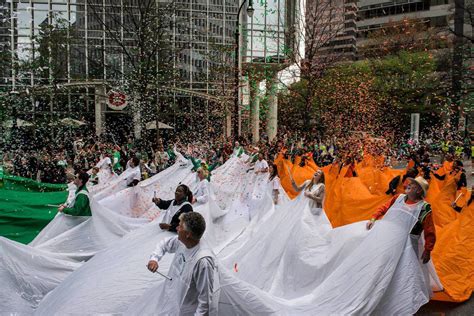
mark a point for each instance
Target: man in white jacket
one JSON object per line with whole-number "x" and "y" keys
{"x": 194, "y": 286}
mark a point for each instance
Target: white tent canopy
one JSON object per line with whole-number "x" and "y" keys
{"x": 152, "y": 125}
{"x": 71, "y": 122}
{"x": 67, "y": 121}
{"x": 19, "y": 123}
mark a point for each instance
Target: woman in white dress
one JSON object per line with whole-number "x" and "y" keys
{"x": 274, "y": 181}
{"x": 105, "y": 169}
{"x": 201, "y": 192}
{"x": 314, "y": 189}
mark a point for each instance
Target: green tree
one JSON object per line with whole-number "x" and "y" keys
{"x": 371, "y": 96}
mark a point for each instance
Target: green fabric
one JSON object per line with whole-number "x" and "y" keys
{"x": 24, "y": 209}
{"x": 213, "y": 166}
{"x": 81, "y": 205}
{"x": 116, "y": 157}
{"x": 25, "y": 184}
{"x": 196, "y": 163}
{"x": 24, "y": 214}
{"x": 171, "y": 154}
{"x": 254, "y": 158}
{"x": 238, "y": 151}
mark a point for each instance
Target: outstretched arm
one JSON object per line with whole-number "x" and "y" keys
{"x": 293, "y": 183}
{"x": 80, "y": 204}
{"x": 169, "y": 245}
{"x": 381, "y": 211}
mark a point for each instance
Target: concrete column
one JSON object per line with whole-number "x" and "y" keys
{"x": 254, "y": 110}
{"x": 272, "y": 115}
{"x": 228, "y": 122}
{"x": 137, "y": 126}
{"x": 100, "y": 100}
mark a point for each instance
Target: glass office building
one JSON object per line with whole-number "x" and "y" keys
{"x": 62, "y": 43}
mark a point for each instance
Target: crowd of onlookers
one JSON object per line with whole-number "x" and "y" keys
{"x": 53, "y": 162}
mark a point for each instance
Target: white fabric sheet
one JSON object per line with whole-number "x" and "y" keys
{"x": 81, "y": 292}
{"x": 283, "y": 260}
{"x": 67, "y": 242}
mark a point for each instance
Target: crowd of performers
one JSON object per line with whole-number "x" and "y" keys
{"x": 404, "y": 191}
{"x": 343, "y": 180}
{"x": 52, "y": 162}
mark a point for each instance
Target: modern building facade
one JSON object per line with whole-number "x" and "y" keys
{"x": 374, "y": 14}
{"x": 75, "y": 48}
{"x": 72, "y": 46}
{"x": 355, "y": 20}
{"x": 330, "y": 30}
{"x": 70, "y": 42}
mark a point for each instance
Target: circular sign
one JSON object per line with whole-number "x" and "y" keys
{"x": 116, "y": 100}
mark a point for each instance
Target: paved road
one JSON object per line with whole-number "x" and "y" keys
{"x": 448, "y": 309}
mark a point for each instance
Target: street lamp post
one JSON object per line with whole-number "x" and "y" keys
{"x": 250, "y": 11}
{"x": 13, "y": 99}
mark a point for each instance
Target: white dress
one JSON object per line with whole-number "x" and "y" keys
{"x": 315, "y": 191}
{"x": 201, "y": 192}
{"x": 135, "y": 174}
{"x": 105, "y": 173}
{"x": 260, "y": 165}
{"x": 275, "y": 186}
{"x": 348, "y": 271}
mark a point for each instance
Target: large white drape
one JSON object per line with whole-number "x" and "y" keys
{"x": 67, "y": 242}
{"x": 282, "y": 260}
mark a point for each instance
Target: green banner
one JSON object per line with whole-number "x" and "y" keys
{"x": 25, "y": 206}
{"x": 25, "y": 184}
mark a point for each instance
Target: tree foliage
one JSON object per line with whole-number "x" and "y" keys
{"x": 371, "y": 96}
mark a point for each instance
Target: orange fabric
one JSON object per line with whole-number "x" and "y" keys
{"x": 379, "y": 161}
{"x": 355, "y": 199}
{"x": 350, "y": 172}
{"x": 311, "y": 164}
{"x": 435, "y": 184}
{"x": 448, "y": 165}
{"x": 462, "y": 197}
{"x": 376, "y": 180}
{"x": 441, "y": 202}
{"x": 300, "y": 174}
{"x": 453, "y": 259}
